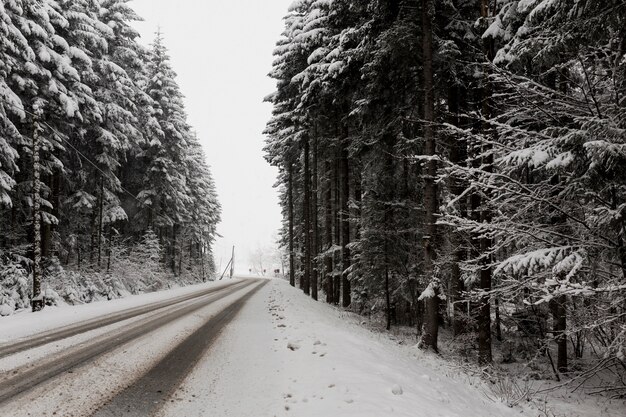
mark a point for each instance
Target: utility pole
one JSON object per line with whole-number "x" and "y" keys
{"x": 232, "y": 264}
{"x": 202, "y": 262}
{"x": 37, "y": 302}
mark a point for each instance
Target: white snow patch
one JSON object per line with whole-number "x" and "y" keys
{"x": 5, "y": 310}
{"x": 340, "y": 369}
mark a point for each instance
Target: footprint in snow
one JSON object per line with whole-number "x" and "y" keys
{"x": 293, "y": 346}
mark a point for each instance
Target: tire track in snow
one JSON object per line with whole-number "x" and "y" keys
{"x": 8, "y": 349}
{"x": 29, "y": 376}
{"x": 153, "y": 389}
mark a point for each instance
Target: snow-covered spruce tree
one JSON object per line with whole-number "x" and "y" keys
{"x": 164, "y": 195}
{"x": 385, "y": 140}
{"x": 12, "y": 48}
{"x": 48, "y": 84}
{"x": 204, "y": 214}
{"x": 527, "y": 108}
{"x": 343, "y": 77}
{"x": 572, "y": 153}
{"x": 557, "y": 188}
{"x": 286, "y": 132}
{"x": 105, "y": 139}
{"x": 77, "y": 66}
{"x": 146, "y": 259}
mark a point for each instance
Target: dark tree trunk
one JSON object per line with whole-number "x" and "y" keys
{"x": 109, "y": 250}
{"x": 484, "y": 312}
{"x": 345, "y": 228}
{"x": 292, "y": 256}
{"x": 306, "y": 208}
{"x": 387, "y": 298}
{"x": 173, "y": 250}
{"x": 100, "y": 214}
{"x": 559, "y": 317}
{"x": 314, "y": 226}
{"x": 94, "y": 238}
{"x": 180, "y": 257}
{"x": 328, "y": 232}
{"x": 431, "y": 319}
{"x": 337, "y": 228}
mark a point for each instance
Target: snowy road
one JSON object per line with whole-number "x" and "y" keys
{"x": 125, "y": 362}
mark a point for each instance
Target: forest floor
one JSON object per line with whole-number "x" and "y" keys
{"x": 252, "y": 350}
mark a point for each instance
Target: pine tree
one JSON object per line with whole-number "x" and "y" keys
{"x": 75, "y": 67}
{"x": 164, "y": 195}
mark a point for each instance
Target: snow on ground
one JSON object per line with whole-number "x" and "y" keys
{"x": 26, "y": 323}
{"x": 284, "y": 355}
{"x": 287, "y": 355}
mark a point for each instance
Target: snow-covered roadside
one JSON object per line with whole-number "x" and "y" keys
{"x": 287, "y": 355}
{"x": 26, "y": 323}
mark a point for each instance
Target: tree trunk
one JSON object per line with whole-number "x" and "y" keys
{"x": 387, "y": 297}
{"x": 292, "y": 260}
{"x": 180, "y": 257}
{"x": 202, "y": 264}
{"x": 94, "y": 237}
{"x": 37, "y": 301}
{"x": 559, "y": 326}
{"x": 307, "y": 218}
{"x": 345, "y": 228}
{"x": 100, "y": 213}
{"x": 328, "y": 232}
{"x": 431, "y": 319}
{"x": 314, "y": 221}
{"x": 173, "y": 250}
{"x": 484, "y": 312}
{"x": 109, "y": 250}
{"x": 337, "y": 234}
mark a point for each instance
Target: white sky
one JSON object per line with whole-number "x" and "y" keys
{"x": 222, "y": 52}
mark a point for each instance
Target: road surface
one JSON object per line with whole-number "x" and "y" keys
{"x": 149, "y": 349}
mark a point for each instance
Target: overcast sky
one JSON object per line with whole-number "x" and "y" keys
{"x": 222, "y": 52}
